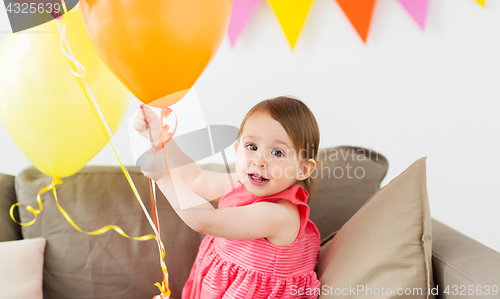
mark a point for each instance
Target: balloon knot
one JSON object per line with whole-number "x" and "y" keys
{"x": 56, "y": 15}
{"x": 56, "y": 180}
{"x": 165, "y": 112}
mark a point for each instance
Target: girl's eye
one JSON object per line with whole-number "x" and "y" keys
{"x": 251, "y": 147}
{"x": 278, "y": 153}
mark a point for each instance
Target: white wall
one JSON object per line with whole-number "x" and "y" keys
{"x": 405, "y": 94}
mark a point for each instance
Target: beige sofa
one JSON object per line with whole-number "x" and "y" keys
{"x": 77, "y": 265}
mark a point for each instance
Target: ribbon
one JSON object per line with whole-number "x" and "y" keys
{"x": 52, "y": 186}
{"x": 107, "y": 132}
{"x": 153, "y": 204}
{"x": 164, "y": 137}
{"x": 103, "y": 229}
{"x": 100, "y": 117}
{"x": 55, "y": 181}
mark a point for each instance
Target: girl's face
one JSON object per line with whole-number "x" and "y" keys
{"x": 266, "y": 159}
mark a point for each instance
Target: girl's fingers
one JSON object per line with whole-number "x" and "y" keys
{"x": 139, "y": 127}
{"x": 139, "y": 124}
{"x": 140, "y": 118}
{"x": 149, "y": 113}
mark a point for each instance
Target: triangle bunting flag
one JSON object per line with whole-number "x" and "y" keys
{"x": 292, "y": 16}
{"x": 241, "y": 12}
{"x": 482, "y": 2}
{"x": 359, "y": 12}
{"x": 417, "y": 9}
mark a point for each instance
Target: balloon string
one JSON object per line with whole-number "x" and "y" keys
{"x": 155, "y": 209}
{"x": 52, "y": 186}
{"x": 69, "y": 55}
{"x": 103, "y": 229}
{"x": 153, "y": 205}
{"x": 164, "y": 137}
{"x": 55, "y": 181}
{"x": 102, "y": 122}
{"x": 107, "y": 132}
{"x": 64, "y": 6}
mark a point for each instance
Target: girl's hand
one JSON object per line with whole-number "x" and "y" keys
{"x": 155, "y": 176}
{"x": 152, "y": 121}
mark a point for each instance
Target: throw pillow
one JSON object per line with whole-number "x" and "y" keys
{"x": 385, "y": 249}
{"x": 21, "y": 270}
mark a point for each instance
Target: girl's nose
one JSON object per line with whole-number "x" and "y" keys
{"x": 260, "y": 162}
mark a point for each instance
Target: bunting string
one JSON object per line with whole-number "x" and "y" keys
{"x": 292, "y": 15}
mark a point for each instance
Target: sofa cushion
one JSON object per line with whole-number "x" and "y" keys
{"x": 21, "y": 270}
{"x": 386, "y": 247}
{"x": 346, "y": 176}
{"x": 78, "y": 265}
{"x": 10, "y": 230}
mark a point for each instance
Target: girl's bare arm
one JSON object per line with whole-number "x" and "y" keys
{"x": 259, "y": 220}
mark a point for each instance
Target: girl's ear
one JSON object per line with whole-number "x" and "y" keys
{"x": 236, "y": 144}
{"x": 306, "y": 169}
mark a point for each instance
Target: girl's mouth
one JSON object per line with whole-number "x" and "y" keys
{"x": 257, "y": 179}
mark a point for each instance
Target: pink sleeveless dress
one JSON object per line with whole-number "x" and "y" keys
{"x": 234, "y": 269}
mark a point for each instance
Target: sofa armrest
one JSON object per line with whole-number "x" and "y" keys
{"x": 9, "y": 230}
{"x": 459, "y": 261}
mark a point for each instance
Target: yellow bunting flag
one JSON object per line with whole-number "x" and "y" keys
{"x": 482, "y": 2}
{"x": 291, "y": 15}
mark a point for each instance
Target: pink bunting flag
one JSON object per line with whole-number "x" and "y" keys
{"x": 242, "y": 10}
{"x": 417, "y": 9}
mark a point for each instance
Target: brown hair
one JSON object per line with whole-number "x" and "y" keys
{"x": 299, "y": 123}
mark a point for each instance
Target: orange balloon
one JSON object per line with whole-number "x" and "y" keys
{"x": 156, "y": 48}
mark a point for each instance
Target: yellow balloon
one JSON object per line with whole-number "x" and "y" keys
{"x": 42, "y": 105}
